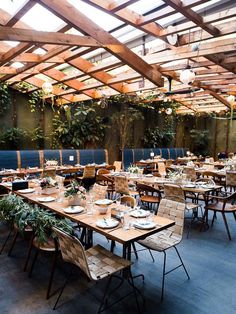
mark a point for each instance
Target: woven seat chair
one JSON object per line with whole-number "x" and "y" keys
{"x": 190, "y": 173}
{"x": 231, "y": 180}
{"x": 169, "y": 238}
{"x": 96, "y": 263}
{"x": 174, "y": 192}
{"x": 128, "y": 199}
{"x": 118, "y": 165}
{"x": 122, "y": 186}
{"x": 88, "y": 177}
{"x": 48, "y": 173}
{"x": 161, "y": 168}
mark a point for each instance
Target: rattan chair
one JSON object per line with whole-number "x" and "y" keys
{"x": 169, "y": 238}
{"x": 88, "y": 177}
{"x": 96, "y": 263}
{"x": 122, "y": 186}
{"x": 190, "y": 173}
{"x": 118, "y": 165}
{"x": 128, "y": 199}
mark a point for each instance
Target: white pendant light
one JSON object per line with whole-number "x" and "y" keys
{"x": 168, "y": 111}
{"x": 231, "y": 99}
{"x": 47, "y": 88}
{"x": 187, "y": 76}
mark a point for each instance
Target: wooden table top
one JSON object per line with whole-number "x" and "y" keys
{"x": 89, "y": 221}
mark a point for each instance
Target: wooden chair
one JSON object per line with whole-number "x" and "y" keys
{"x": 223, "y": 205}
{"x": 190, "y": 173}
{"x": 230, "y": 180}
{"x": 88, "y": 177}
{"x": 96, "y": 263}
{"x": 111, "y": 167}
{"x": 128, "y": 199}
{"x": 169, "y": 238}
{"x": 161, "y": 168}
{"x": 118, "y": 165}
{"x": 149, "y": 196}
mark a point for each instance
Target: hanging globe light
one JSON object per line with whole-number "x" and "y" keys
{"x": 47, "y": 88}
{"x": 231, "y": 99}
{"x": 168, "y": 111}
{"x": 187, "y": 76}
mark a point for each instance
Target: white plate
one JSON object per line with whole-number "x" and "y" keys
{"x": 7, "y": 183}
{"x": 189, "y": 186}
{"x": 25, "y": 191}
{"x": 107, "y": 223}
{"x": 149, "y": 175}
{"x": 73, "y": 209}
{"x": 139, "y": 213}
{"x": 46, "y": 199}
{"x": 144, "y": 225}
{"x": 103, "y": 202}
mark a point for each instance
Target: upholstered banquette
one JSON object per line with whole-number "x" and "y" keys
{"x": 10, "y": 159}
{"x": 130, "y": 156}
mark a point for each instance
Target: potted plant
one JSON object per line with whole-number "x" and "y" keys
{"x": 75, "y": 193}
{"x": 48, "y": 185}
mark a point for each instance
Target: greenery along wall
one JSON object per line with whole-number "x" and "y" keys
{"x": 113, "y": 123}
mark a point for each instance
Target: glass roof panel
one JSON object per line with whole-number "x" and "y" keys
{"x": 11, "y": 6}
{"x": 50, "y": 21}
{"x": 142, "y": 6}
{"x": 104, "y": 20}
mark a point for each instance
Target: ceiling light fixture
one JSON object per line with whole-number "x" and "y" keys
{"x": 47, "y": 88}
{"x": 187, "y": 76}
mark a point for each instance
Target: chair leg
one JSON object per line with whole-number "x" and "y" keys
{"x": 62, "y": 289}
{"x": 131, "y": 282}
{"x": 182, "y": 263}
{"x": 226, "y": 225}
{"x": 54, "y": 259}
{"x": 29, "y": 253}
{"x": 105, "y": 294}
{"x": 135, "y": 251}
{"x": 163, "y": 277}
{"x": 33, "y": 262}
{"x": 234, "y": 213}
{"x": 113, "y": 244}
{"x": 13, "y": 242}
{"x": 213, "y": 219}
{"x": 5, "y": 243}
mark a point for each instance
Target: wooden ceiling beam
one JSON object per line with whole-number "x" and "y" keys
{"x": 20, "y": 12}
{"x": 119, "y": 5}
{"x": 192, "y": 16}
{"x": 82, "y": 23}
{"x": 39, "y": 37}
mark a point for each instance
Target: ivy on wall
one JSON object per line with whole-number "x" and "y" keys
{"x": 5, "y": 98}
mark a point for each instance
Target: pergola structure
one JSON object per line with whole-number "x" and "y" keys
{"x": 99, "y": 48}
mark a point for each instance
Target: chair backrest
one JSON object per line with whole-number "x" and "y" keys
{"x": 174, "y": 192}
{"x": 121, "y": 185}
{"x": 174, "y": 211}
{"x": 191, "y": 173}
{"x": 111, "y": 167}
{"x": 99, "y": 191}
{"x": 147, "y": 189}
{"x": 89, "y": 172}
{"x": 128, "y": 199}
{"x": 169, "y": 162}
{"x": 48, "y": 173}
{"x": 161, "y": 168}
{"x": 118, "y": 165}
{"x": 102, "y": 171}
{"x": 231, "y": 178}
{"x": 73, "y": 252}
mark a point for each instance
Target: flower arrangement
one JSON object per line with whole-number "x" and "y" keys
{"x": 75, "y": 190}
{"x": 133, "y": 169}
{"x": 48, "y": 182}
{"x": 51, "y": 163}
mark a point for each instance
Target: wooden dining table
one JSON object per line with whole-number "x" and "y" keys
{"x": 89, "y": 221}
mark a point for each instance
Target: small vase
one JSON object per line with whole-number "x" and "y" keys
{"x": 74, "y": 200}
{"x": 49, "y": 191}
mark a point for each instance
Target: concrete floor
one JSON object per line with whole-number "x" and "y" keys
{"x": 209, "y": 257}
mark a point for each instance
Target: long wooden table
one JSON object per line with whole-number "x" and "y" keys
{"x": 118, "y": 234}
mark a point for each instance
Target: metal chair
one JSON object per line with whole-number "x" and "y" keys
{"x": 169, "y": 238}
{"x": 96, "y": 263}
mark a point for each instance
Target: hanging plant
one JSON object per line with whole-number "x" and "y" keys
{"x": 5, "y": 98}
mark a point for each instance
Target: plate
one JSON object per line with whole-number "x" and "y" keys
{"x": 25, "y": 191}
{"x": 46, "y": 199}
{"x": 139, "y": 213}
{"x": 107, "y": 223}
{"x": 144, "y": 224}
{"x": 7, "y": 183}
{"x": 73, "y": 209}
{"x": 103, "y": 202}
{"x": 189, "y": 186}
{"x": 149, "y": 175}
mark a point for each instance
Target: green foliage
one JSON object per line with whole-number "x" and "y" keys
{"x": 123, "y": 120}
{"x": 5, "y": 98}
{"x": 36, "y": 101}
{"x": 155, "y": 137}
{"x": 37, "y": 137}
{"x": 14, "y": 210}
{"x": 77, "y": 126}
{"x": 12, "y": 138}
{"x": 200, "y": 141}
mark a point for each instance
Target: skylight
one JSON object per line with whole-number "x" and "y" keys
{"x": 142, "y": 7}
{"x": 104, "y": 20}
{"x": 49, "y": 23}
{"x": 11, "y": 6}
